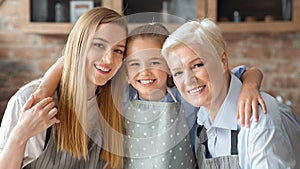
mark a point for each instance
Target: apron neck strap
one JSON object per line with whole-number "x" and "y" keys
{"x": 168, "y": 90}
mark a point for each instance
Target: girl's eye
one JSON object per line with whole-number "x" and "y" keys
{"x": 119, "y": 51}
{"x": 134, "y": 64}
{"x": 198, "y": 65}
{"x": 155, "y": 63}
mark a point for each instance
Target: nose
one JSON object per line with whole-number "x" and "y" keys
{"x": 189, "y": 77}
{"x": 108, "y": 57}
{"x": 144, "y": 72}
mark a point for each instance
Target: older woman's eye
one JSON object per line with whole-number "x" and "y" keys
{"x": 177, "y": 73}
{"x": 198, "y": 65}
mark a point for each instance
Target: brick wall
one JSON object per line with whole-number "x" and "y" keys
{"x": 24, "y": 57}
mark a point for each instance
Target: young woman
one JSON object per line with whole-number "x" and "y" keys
{"x": 81, "y": 134}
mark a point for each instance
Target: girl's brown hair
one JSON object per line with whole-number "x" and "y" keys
{"x": 154, "y": 31}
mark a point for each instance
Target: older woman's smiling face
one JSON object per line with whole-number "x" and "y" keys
{"x": 198, "y": 75}
{"x": 190, "y": 75}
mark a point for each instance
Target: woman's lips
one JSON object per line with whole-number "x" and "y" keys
{"x": 103, "y": 69}
{"x": 197, "y": 90}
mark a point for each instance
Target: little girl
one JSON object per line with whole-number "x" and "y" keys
{"x": 157, "y": 120}
{"x": 155, "y": 125}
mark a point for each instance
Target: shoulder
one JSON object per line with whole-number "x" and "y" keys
{"x": 16, "y": 102}
{"x": 26, "y": 90}
{"x": 272, "y": 119}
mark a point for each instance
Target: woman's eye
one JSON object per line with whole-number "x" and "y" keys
{"x": 198, "y": 65}
{"x": 177, "y": 74}
{"x": 119, "y": 51}
{"x": 99, "y": 45}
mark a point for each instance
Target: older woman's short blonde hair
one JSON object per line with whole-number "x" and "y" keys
{"x": 204, "y": 33}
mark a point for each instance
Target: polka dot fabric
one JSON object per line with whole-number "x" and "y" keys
{"x": 157, "y": 136}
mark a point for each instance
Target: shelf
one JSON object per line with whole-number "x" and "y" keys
{"x": 205, "y": 8}
{"x": 256, "y": 27}
{"x": 50, "y": 28}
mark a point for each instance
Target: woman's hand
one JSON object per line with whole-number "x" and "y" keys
{"x": 37, "y": 118}
{"x": 248, "y": 102}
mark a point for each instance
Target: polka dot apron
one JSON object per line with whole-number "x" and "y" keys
{"x": 157, "y": 136}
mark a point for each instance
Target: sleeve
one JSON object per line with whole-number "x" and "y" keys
{"x": 10, "y": 118}
{"x": 269, "y": 149}
{"x": 239, "y": 70}
{"x": 35, "y": 145}
{"x": 271, "y": 140}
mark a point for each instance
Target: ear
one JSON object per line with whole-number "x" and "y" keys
{"x": 224, "y": 60}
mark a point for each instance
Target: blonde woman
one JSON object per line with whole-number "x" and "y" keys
{"x": 197, "y": 58}
{"x": 85, "y": 131}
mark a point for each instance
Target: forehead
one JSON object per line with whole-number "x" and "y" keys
{"x": 111, "y": 32}
{"x": 143, "y": 48}
{"x": 142, "y": 43}
{"x": 182, "y": 52}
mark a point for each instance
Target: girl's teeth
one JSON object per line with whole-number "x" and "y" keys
{"x": 146, "y": 81}
{"x": 102, "y": 68}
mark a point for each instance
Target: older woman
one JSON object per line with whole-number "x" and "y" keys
{"x": 198, "y": 61}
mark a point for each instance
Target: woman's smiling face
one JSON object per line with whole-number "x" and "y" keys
{"x": 190, "y": 76}
{"x": 105, "y": 55}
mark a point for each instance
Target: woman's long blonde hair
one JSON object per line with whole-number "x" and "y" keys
{"x": 70, "y": 134}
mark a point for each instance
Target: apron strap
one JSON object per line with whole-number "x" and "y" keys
{"x": 168, "y": 90}
{"x": 48, "y": 133}
{"x": 234, "y": 141}
{"x": 171, "y": 94}
{"x": 204, "y": 140}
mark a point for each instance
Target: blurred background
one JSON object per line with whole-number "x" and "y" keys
{"x": 262, "y": 34}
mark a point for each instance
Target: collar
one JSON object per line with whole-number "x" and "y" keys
{"x": 226, "y": 117}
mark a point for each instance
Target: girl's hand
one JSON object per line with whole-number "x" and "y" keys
{"x": 39, "y": 94}
{"x": 37, "y": 118}
{"x": 248, "y": 102}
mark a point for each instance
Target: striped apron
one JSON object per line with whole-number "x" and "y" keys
{"x": 51, "y": 159}
{"x": 204, "y": 159}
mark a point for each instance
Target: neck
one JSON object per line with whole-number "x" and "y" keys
{"x": 218, "y": 100}
{"x": 91, "y": 89}
{"x": 156, "y": 95}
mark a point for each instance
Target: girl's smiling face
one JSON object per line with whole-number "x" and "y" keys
{"x": 147, "y": 69}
